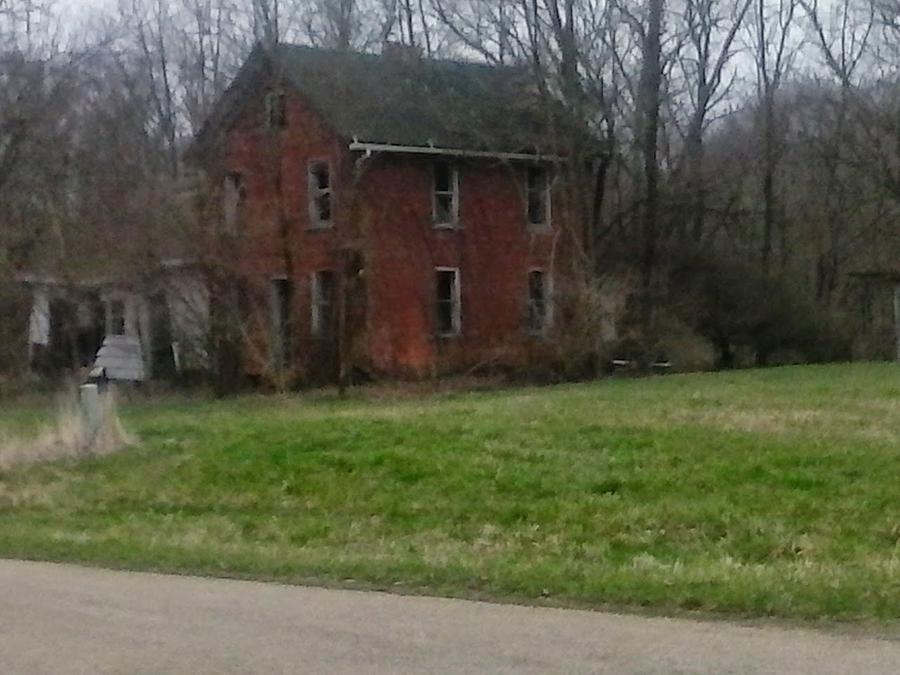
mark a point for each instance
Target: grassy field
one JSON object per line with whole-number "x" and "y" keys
{"x": 771, "y": 492}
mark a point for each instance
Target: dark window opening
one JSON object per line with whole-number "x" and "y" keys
{"x": 117, "y": 317}
{"x": 446, "y": 199}
{"x": 282, "y": 324}
{"x": 319, "y": 189}
{"x": 538, "y": 302}
{"x": 91, "y": 325}
{"x": 323, "y": 287}
{"x": 276, "y": 110}
{"x": 448, "y": 302}
{"x": 538, "y": 196}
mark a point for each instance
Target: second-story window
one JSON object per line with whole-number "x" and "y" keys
{"x": 446, "y": 195}
{"x": 276, "y": 110}
{"x": 319, "y": 191}
{"x": 282, "y": 297}
{"x": 538, "y": 196}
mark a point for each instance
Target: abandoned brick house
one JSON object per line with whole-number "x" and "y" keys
{"x": 403, "y": 203}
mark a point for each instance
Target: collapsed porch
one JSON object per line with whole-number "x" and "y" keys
{"x": 134, "y": 331}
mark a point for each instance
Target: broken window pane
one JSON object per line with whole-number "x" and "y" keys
{"x": 320, "y": 173}
{"x": 448, "y": 302}
{"x": 322, "y": 302}
{"x": 446, "y": 197}
{"x": 319, "y": 187}
{"x": 443, "y": 208}
{"x": 442, "y": 177}
{"x": 276, "y": 112}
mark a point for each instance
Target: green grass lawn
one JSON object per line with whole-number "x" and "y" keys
{"x": 769, "y": 492}
{"x": 25, "y": 417}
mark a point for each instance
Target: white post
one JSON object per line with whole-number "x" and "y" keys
{"x": 91, "y": 410}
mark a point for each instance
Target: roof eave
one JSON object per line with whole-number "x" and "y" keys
{"x": 887, "y": 275}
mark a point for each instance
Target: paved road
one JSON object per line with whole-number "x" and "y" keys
{"x": 62, "y": 619}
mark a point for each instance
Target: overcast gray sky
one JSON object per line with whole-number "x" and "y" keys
{"x": 75, "y": 7}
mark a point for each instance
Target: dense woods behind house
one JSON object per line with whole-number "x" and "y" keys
{"x": 729, "y": 170}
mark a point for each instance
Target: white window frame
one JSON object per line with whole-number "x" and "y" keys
{"x": 275, "y": 100}
{"x": 453, "y": 193}
{"x": 456, "y": 300}
{"x": 313, "y": 192}
{"x": 547, "y": 191}
{"x": 317, "y": 324}
{"x": 548, "y": 302}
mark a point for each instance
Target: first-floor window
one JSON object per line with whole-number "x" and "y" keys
{"x": 538, "y": 302}
{"x": 322, "y": 302}
{"x": 282, "y": 299}
{"x": 448, "y": 301}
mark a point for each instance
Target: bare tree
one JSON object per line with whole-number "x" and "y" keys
{"x": 267, "y": 22}
{"x": 29, "y": 26}
{"x": 711, "y": 27}
{"x": 842, "y": 36}
{"x": 206, "y": 55}
{"x": 774, "y": 38}
{"x": 149, "y": 24}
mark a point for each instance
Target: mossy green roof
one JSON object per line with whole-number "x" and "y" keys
{"x": 407, "y": 100}
{"x": 398, "y": 99}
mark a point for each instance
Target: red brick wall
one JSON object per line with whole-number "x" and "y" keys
{"x": 493, "y": 248}
{"x": 264, "y": 240}
{"x": 390, "y": 218}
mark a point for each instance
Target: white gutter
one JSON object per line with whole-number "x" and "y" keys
{"x": 46, "y": 280}
{"x": 369, "y": 148}
{"x": 35, "y": 279}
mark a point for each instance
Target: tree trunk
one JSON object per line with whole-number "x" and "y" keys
{"x": 648, "y": 112}
{"x": 599, "y": 197}
{"x": 696, "y": 187}
{"x": 768, "y": 181}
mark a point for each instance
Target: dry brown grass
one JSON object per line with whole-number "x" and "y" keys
{"x": 70, "y": 437}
